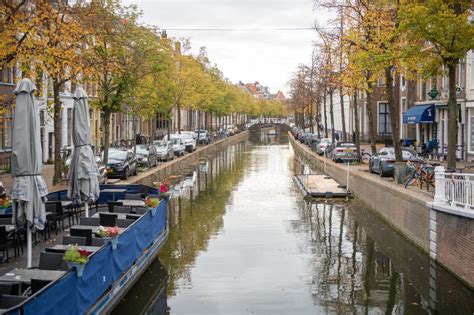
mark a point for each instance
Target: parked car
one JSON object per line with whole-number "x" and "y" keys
{"x": 164, "y": 150}
{"x": 189, "y": 141}
{"x": 383, "y": 162}
{"x": 122, "y": 163}
{"x": 321, "y": 146}
{"x": 146, "y": 155}
{"x": 178, "y": 144}
{"x": 342, "y": 152}
{"x": 203, "y": 136}
{"x": 302, "y": 136}
{"x": 102, "y": 176}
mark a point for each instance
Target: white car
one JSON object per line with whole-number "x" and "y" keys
{"x": 322, "y": 144}
{"x": 177, "y": 142}
{"x": 189, "y": 140}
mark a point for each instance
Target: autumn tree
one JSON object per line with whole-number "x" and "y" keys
{"x": 444, "y": 33}
{"x": 56, "y": 51}
{"x": 110, "y": 55}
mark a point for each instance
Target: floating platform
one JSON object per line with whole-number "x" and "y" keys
{"x": 320, "y": 186}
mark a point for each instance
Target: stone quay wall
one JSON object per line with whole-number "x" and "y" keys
{"x": 407, "y": 212}
{"x": 184, "y": 164}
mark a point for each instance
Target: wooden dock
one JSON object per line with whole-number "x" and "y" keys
{"x": 320, "y": 186}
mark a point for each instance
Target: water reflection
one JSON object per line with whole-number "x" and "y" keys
{"x": 196, "y": 212}
{"x": 147, "y": 297}
{"x": 243, "y": 240}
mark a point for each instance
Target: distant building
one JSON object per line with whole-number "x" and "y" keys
{"x": 260, "y": 91}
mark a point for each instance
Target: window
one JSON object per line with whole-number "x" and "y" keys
{"x": 462, "y": 73}
{"x": 402, "y": 81}
{"x": 6, "y": 130}
{"x": 384, "y": 119}
{"x": 422, "y": 90}
{"x": 69, "y": 126}
{"x": 471, "y": 122}
{"x": 380, "y": 82}
{"x": 7, "y": 76}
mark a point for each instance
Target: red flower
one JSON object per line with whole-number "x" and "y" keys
{"x": 164, "y": 188}
{"x": 84, "y": 252}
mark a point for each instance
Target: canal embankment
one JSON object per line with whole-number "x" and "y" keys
{"x": 406, "y": 211}
{"x": 185, "y": 164}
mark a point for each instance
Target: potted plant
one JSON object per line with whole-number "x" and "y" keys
{"x": 109, "y": 234}
{"x": 76, "y": 258}
{"x": 152, "y": 204}
{"x": 164, "y": 191}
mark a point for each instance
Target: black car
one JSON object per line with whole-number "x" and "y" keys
{"x": 122, "y": 163}
{"x": 147, "y": 156}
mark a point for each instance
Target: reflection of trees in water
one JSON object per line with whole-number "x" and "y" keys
{"x": 350, "y": 274}
{"x": 197, "y": 214}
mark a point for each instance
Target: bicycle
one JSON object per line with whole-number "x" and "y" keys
{"x": 421, "y": 171}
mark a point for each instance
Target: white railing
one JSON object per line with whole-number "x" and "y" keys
{"x": 454, "y": 189}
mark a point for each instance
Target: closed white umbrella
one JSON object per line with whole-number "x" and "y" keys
{"x": 83, "y": 171}
{"x": 29, "y": 189}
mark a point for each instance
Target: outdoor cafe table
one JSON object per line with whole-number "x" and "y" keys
{"x": 132, "y": 203}
{"x": 119, "y": 215}
{"x": 25, "y": 275}
{"x": 114, "y": 191}
{"x": 91, "y": 249}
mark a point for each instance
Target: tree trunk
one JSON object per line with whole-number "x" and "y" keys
{"x": 198, "y": 126}
{"x": 325, "y": 116}
{"x": 318, "y": 120}
{"x": 134, "y": 137}
{"x": 311, "y": 122}
{"x": 452, "y": 115}
{"x": 394, "y": 115}
{"x": 179, "y": 117}
{"x": 343, "y": 117}
{"x": 370, "y": 115}
{"x": 58, "y": 128}
{"x": 331, "y": 113}
{"x": 107, "y": 115}
{"x": 357, "y": 124}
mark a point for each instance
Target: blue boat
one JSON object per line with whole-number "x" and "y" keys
{"x": 109, "y": 273}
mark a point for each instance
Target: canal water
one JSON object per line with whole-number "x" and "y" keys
{"x": 243, "y": 241}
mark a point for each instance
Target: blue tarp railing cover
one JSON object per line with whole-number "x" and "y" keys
{"x": 73, "y": 295}
{"x": 421, "y": 114}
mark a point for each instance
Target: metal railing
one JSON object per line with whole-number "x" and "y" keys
{"x": 454, "y": 189}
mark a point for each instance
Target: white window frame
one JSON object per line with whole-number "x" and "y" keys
{"x": 404, "y": 81}
{"x": 381, "y": 82}
{"x": 469, "y": 130}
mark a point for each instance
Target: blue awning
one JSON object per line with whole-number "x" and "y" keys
{"x": 422, "y": 114}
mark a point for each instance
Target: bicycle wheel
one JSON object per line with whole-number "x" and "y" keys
{"x": 404, "y": 175}
{"x": 365, "y": 157}
{"x": 410, "y": 178}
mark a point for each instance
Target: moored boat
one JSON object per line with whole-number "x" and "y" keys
{"x": 109, "y": 273}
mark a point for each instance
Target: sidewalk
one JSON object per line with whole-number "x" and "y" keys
{"x": 48, "y": 172}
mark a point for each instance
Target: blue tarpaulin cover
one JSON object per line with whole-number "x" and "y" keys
{"x": 73, "y": 295}
{"x": 421, "y": 114}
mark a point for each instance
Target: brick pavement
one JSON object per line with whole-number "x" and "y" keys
{"x": 48, "y": 172}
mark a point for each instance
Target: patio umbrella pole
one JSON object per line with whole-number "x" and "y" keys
{"x": 28, "y": 248}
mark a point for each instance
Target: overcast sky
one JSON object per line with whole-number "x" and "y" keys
{"x": 269, "y": 57}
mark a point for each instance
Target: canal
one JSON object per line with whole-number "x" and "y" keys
{"x": 243, "y": 241}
